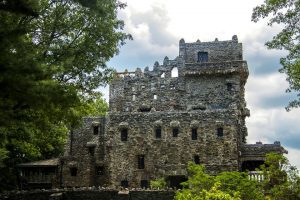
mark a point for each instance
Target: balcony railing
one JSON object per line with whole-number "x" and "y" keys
{"x": 256, "y": 176}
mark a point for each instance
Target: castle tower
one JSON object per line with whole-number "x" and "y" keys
{"x": 191, "y": 108}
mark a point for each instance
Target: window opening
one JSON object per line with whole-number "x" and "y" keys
{"x": 99, "y": 170}
{"x": 175, "y": 132}
{"x": 229, "y": 86}
{"x": 124, "y": 135}
{"x": 158, "y": 133}
{"x": 155, "y": 97}
{"x": 144, "y": 184}
{"x": 194, "y": 134}
{"x": 220, "y": 132}
{"x": 162, "y": 75}
{"x": 133, "y": 97}
{"x": 141, "y": 162}
{"x": 202, "y": 57}
{"x": 174, "y": 72}
{"x": 145, "y": 109}
{"x": 92, "y": 151}
{"x": 124, "y": 183}
{"x": 96, "y": 130}
{"x": 73, "y": 171}
{"x": 196, "y": 159}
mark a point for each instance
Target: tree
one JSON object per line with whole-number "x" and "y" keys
{"x": 281, "y": 180}
{"x": 158, "y": 184}
{"x": 52, "y": 58}
{"x": 226, "y": 185}
{"x": 287, "y": 13}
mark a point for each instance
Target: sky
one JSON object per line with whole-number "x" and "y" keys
{"x": 158, "y": 25}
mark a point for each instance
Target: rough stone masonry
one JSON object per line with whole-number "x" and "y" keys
{"x": 190, "y": 109}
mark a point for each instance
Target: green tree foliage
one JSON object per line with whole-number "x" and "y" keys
{"x": 158, "y": 183}
{"x": 52, "y": 58}
{"x": 226, "y": 185}
{"x": 282, "y": 181}
{"x": 286, "y": 13}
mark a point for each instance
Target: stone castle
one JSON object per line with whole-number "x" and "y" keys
{"x": 190, "y": 109}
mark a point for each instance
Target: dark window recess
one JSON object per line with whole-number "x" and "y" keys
{"x": 229, "y": 86}
{"x": 202, "y": 57}
{"x": 175, "y": 132}
{"x": 99, "y": 170}
{"x": 158, "y": 133}
{"x": 73, "y": 171}
{"x": 141, "y": 162}
{"x": 194, "y": 134}
{"x": 145, "y": 109}
{"x": 197, "y": 160}
{"x": 144, "y": 184}
{"x": 220, "y": 132}
{"x": 124, "y": 184}
{"x": 96, "y": 130}
{"x": 124, "y": 134}
{"x": 92, "y": 151}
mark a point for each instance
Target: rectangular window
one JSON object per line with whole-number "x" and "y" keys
{"x": 96, "y": 130}
{"x": 194, "y": 134}
{"x": 141, "y": 162}
{"x": 229, "y": 87}
{"x": 158, "y": 133}
{"x": 99, "y": 170}
{"x": 124, "y": 134}
{"x": 73, "y": 171}
{"x": 220, "y": 132}
{"x": 144, "y": 184}
{"x": 196, "y": 159}
{"x": 92, "y": 151}
{"x": 175, "y": 132}
{"x": 124, "y": 184}
{"x": 202, "y": 57}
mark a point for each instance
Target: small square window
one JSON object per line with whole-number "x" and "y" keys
{"x": 124, "y": 184}
{"x": 155, "y": 97}
{"x": 73, "y": 171}
{"x": 196, "y": 159}
{"x": 229, "y": 87}
{"x": 220, "y": 132}
{"x": 99, "y": 170}
{"x": 96, "y": 130}
{"x": 202, "y": 57}
{"x": 194, "y": 134}
{"x": 124, "y": 135}
{"x": 158, "y": 133}
{"x": 92, "y": 151}
{"x": 175, "y": 132}
{"x": 141, "y": 162}
{"x": 144, "y": 184}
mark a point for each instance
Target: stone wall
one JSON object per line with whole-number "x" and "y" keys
{"x": 218, "y": 51}
{"x": 79, "y": 194}
{"x": 85, "y": 153}
{"x": 169, "y": 155}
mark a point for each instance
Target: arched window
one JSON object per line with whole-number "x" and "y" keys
{"x": 174, "y": 72}
{"x": 202, "y": 57}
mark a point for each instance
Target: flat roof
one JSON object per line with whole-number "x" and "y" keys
{"x": 41, "y": 163}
